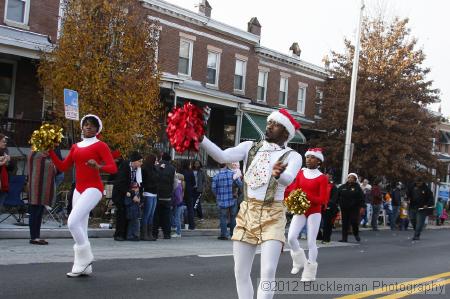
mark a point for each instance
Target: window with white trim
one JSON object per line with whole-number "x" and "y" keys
{"x": 212, "y": 75}
{"x": 319, "y": 102}
{"x": 7, "y": 74}
{"x": 301, "y": 99}
{"x": 185, "y": 57}
{"x": 239, "y": 75}
{"x": 262, "y": 86}
{"x": 17, "y": 12}
{"x": 282, "y": 95}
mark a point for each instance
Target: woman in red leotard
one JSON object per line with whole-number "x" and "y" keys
{"x": 90, "y": 156}
{"x": 315, "y": 184}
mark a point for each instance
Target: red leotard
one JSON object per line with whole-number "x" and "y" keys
{"x": 316, "y": 191}
{"x": 86, "y": 176}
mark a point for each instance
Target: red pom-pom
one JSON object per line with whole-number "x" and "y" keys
{"x": 185, "y": 127}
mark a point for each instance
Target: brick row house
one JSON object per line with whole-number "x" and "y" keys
{"x": 211, "y": 63}
{"x": 26, "y": 28}
{"x": 200, "y": 60}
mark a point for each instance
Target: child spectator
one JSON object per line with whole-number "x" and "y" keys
{"x": 132, "y": 205}
{"x": 444, "y": 216}
{"x": 404, "y": 220}
{"x": 178, "y": 204}
{"x": 439, "y": 211}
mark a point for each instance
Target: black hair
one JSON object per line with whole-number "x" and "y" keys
{"x": 200, "y": 163}
{"x": 166, "y": 157}
{"x": 150, "y": 160}
{"x": 92, "y": 120}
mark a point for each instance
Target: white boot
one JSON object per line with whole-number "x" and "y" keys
{"x": 298, "y": 260}
{"x": 309, "y": 273}
{"x": 82, "y": 264}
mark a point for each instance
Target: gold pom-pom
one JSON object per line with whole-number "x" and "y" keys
{"x": 46, "y": 137}
{"x": 296, "y": 202}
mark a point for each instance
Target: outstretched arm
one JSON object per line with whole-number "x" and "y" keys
{"x": 229, "y": 155}
{"x": 62, "y": 165}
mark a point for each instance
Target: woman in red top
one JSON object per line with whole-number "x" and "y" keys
{"x": 89, "y": 156}
{"x": 315, "y": 185}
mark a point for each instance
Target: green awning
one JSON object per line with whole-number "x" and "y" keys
{"x": 254, "y": 128}
{"x": 299, "y": 138}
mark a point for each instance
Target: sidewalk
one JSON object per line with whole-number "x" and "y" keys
{"x": 10, "y": 229}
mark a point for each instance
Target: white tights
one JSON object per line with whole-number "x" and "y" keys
{"x": 82, "y": 204}
{"x": 244, "y": 254}
{"x": 297, "y": 224}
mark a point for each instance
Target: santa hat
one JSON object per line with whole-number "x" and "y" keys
{"x": 353, "y": 174}
{"x": 316, "y": 152}
{"x": 97, "y": 118}
{"x": 284, "y": 118}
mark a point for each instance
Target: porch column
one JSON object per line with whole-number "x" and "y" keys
{"x": 239, "y": 114}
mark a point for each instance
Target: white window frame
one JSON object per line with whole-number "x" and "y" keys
{"x": 301, "y": 86}
{"x": 62, "y": 9}
{"x": 266, "y": 76}
{"x": 13, "y": 87}
{"x": 216, "y": 83}
{"x": 319, "y": 102}
{"x": 286, "y": 93}
{"x": 156, "y": 31}
{"x": 26, "y": 16}
{"x": 244, "y": 74}
{"x": 191, "y": 52}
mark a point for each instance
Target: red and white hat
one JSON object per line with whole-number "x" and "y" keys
{"x": 94, "y": 116}
{"x": 316, "y": 152}
{"x": 284, "y": 118}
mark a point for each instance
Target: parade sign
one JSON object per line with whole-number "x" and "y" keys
{"x": 71, "y": 104}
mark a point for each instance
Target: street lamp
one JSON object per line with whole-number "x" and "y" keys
{"x": 351, "y": 104}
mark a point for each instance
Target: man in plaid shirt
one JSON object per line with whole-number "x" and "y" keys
{"x": 222, "y": 187}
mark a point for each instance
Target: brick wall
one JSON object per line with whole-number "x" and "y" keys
{"x": 169, "y": 49}
{"x": 273, "y": 88}
{"x": 43, "y": 16}
{"x": 168, "y": 61}
{"x": 27, "y": 97}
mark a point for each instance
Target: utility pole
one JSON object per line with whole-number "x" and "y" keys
{"x": 351, "y": 104}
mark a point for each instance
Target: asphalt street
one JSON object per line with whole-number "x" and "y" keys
{"x": 202, "y": 267}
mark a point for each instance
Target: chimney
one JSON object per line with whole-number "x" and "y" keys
{"x": 204, "y": 8}
{"x": 254, "y": 26}
{"x": 295, "y": 50}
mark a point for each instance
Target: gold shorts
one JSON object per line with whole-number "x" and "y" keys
{"x": 256, "y": 223}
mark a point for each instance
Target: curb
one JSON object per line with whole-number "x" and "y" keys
{"x": 64, "y": 233}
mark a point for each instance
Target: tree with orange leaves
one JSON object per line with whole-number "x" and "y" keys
{"x": 392, "y": 128}
{"x": 107, "y": 52}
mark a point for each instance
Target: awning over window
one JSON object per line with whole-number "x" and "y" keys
{"x": 254, "y": 128}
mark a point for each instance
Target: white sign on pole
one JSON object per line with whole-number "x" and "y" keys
{"x": 71, "y": 104}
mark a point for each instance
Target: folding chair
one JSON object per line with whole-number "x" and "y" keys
{"x": 14, "y": 204}
{"x": 56, "y": 212}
